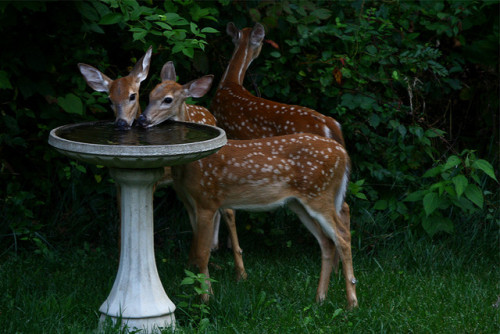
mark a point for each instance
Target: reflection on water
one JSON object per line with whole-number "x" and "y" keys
{"x": 167, "y": 133}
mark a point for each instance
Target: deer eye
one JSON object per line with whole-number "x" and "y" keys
{"x": 132, "y": 97}
{"x": 167, "y": 100}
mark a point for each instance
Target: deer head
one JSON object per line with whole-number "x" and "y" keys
{"x": 167, "y": 99}
{"x": 123, "y": 92}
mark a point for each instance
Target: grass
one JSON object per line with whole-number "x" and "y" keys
{"x": 409, "y": 286}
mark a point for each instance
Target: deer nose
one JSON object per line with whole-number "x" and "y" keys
{"x": 142, "y": 121}
{"x": 121, "y": 124}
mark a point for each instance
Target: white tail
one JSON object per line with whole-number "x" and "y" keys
{"x": 307, "y": 172}
{"x": 123, "y": 92}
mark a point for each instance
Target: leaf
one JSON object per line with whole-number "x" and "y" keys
{"x": 371, "y": 49}
{"x": 415, "y": 196}
{"x": 337, "y": 74}
{"x": 71, "y": 103}
{"x": 163, "y": 25}
{"x": 460, "y": 182}
{"x": 380, "y": 204}
{"x": 432, "y": 133}
{"x": 435, "y": 224}
{"x": 433, "y": 172}
{"x": 374, "y": 120}
{"x": 4, "y": 81}
{"x": 337, "y": 312}
{"x": 111, "y": 18}
{"x": 474, "y": 194}
{"x": 431, "y": 203}
{"x": 189, "y": 52}
{"x": 360, "y": 196}
{"x": 321, "y": 13}
{"x": 486, "y": 167}
{"x": 452, "y": 161}
{"x": 137, "y": 36}
{"x": 209, "y": 30}
{"x": 187, "y": 281}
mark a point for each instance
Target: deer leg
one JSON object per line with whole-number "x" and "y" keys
{"x": 342, "y": 241}
{"x": 345, "y": 216}
{"x": 229, "y": 218}
{"x": 215, "y": 238}
{"x": 327, "y": 248}
{"x": 202, "y": 241}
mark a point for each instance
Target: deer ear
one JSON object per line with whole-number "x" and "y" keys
{"x": 141, "y": 69}
{"x": 233, "y": 31}
{"x": 258, "y": 34}
{"x": 97, "y": 80}
{"x": 199, "y": 87}
{"x": 168, "y": 72}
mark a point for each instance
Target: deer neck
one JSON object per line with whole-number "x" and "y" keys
{"x": 183, "y": 116}
{"x": 238, "y": 65}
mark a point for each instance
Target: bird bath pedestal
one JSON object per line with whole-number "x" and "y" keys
{"x": 136, "y": 159}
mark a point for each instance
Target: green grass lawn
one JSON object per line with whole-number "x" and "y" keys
{"x": 422, "y": 287}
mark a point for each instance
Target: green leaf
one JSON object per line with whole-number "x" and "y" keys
{"x": 433, "y": 172}
{"x": 4, "y": 81}
{"x": 431, "y": 203}
{"x": 415, "y": 196}
{"x": 189, "y": 52}
{"x": 486, "y": 167}
{"x": 474, "y": 194}
{"x": 360, "y": 196}
{"x": 111, "y": 18}
{"x": 380, "y": 204}
{"x": 163, "y": 25}
{"x": 71, "y": 103}
{"x": 209, "y": 30}
{"x": 374, "y": 120}
{"x": 460, "y": 182}
{"x": 452, "y": 161}
{"x": 321, "y": 13}
{"x": 371, "y": 49}
{"x": 187, "y": 281}
{"x": 432, "y": 133}
{"x": 435, "y": 224}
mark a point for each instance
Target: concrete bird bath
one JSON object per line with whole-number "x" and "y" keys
{"x": 136, "y": 158}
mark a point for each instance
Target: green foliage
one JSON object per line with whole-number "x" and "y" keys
{"x": 147, "y": 24}
{"x": 412, "y": 83}
{"x": 198, "y": 312}
{"x": 385, "y": 72}
{"x": 457, "y": 186}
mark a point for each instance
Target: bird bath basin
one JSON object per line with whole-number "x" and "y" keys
{"x": 136, "y": 159}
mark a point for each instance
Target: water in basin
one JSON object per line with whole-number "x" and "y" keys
{"x": 167, "y": 133}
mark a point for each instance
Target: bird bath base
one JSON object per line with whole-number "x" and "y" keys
{"x": 136, "y": 159}
{"x": 137, "y": 298}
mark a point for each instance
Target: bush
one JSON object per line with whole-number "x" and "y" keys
{"x": 414, "y": 84}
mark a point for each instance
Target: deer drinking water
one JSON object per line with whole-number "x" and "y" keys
{"x": 167, "y": 102}
{"x": 123, "y": 92}
{"x": 307, "y": 172}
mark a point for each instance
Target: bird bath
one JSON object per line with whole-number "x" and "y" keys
{"x": 136, "y": 158}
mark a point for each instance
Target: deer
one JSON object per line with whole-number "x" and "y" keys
{"x": 123, "y": 92}
{"x": 167, "y": 102}
{"x": 245, "y": 116}
{"x": 308, "y": 173}
{"x": 124, "y": 97}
